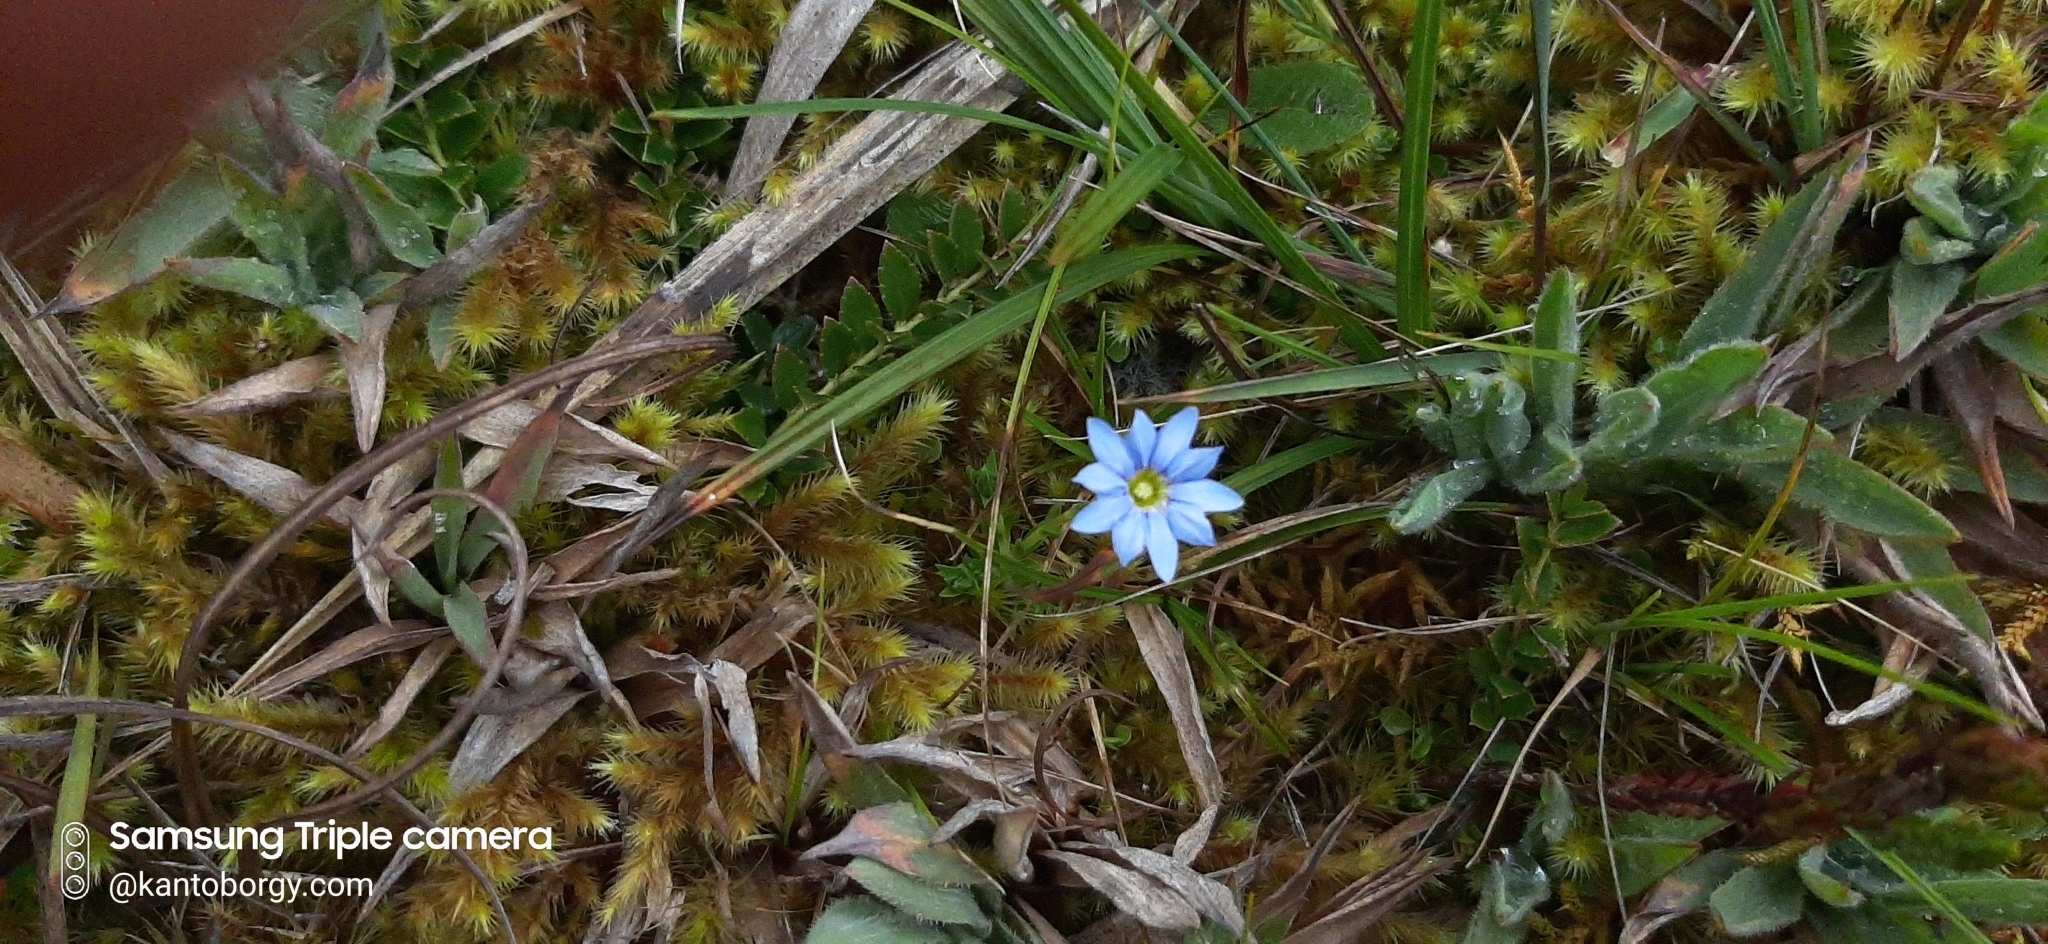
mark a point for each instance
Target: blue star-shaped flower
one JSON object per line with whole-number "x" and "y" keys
{"x": 1152, "y": 489}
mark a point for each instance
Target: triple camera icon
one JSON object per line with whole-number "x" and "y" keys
{"x": 73, "y": 879}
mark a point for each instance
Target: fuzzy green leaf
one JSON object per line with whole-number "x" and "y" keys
{"x": 1429, "y": 502}
{"x": 1759, "y": 900}
{"x": 2023, "y": 341}
{"x": 2017, "y": 266}
{"x": 1737, "y": 309}
{"x": 1921, "y": 243}
{"x": 359, "y": 109}
{"x": 1818, "y": 873}
{"x": 1932, "y": 191}
{"x": 1623, "y": 419}
{"x": 1689, "y": 392}
{"x": 925, "y": 901}
{"x": 1852, "y": 495}
{"x": 399, "y": 227}
{"x": 249, "y": 278}
{"x": 341, "y": 313}
{"x": 867, "y": 921}
{"x": 1998, "y": 902}
{"x": 187, "y": 209}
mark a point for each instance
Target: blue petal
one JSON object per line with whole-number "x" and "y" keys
{"x": 1206, "y": 495}
{"x": 1101, "y": 480}
{"x": 1141, "y": 438}
{"x": 1193, "y": 464}
{"x": 1103, "y": 514}
{"x": 1129, "y": 538}
{"x": 1189, "y": 524}
{"x": 1159, "y": 543}
{"x": 1109, "y": 449}
{"x": 1174, "y": 438}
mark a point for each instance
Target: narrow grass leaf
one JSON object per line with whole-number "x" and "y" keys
{"x": 1411, "y": 236}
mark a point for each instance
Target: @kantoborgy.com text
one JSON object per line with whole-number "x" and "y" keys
{"x": 281, "y": 888}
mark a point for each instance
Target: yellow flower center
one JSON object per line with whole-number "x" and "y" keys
{"x": 1148, "y": 490}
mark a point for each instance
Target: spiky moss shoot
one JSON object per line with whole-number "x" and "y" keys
{"x": 1030, "y": 685}
{"x": 1912, "y": 456}
{"x": 1597, "y": 118}
{"x": 884, "y": 34}
{"x": 1581, "y": 855}
{"x": 914, "y": 697}
{"x": 649, "y": 423}
{"x": 1751, "y": 91}
{"x": 1897, "y": 61}
{"x": 1780, "y": 565}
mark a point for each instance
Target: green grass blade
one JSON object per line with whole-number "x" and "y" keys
{"x": 1376, "y": 375}
{"x": 1219, "y": 180}
{"x": 1411, "y": 237}
{"x": 1085, "y": 229}
{"x": 1809, "y": 123}
{"x": 1273, "y": 468}
{"x": 1926, "y": 690}
{"x": 807, "y": 430}
{"x": 78, "y": 773}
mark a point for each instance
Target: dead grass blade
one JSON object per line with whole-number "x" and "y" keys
{"x": 403, "y": 694}
{"x": 868, "y": 166}
{"x": 1152, "y": 904}
{"x": 562, "y": 636}
{"x": 294, "y": 381}
{"x": 273, "y": 486}
{"x": 811, "y": 40}
{"x": 485, "y": 51}
{"x": 1166, "y": 655}
{"x": 366, "y": 643}
{"x": 56, "y": 369}
{"x": 363, "y": 362}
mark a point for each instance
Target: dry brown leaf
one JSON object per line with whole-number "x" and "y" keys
{"x": 273, "y": 486}
{"x": 1903, "y": 655}
{"x": 594, "y": 485}
{"x": 1014, "y": 825}
{"x": 32, "y": 485}
{"x": 1973, "y": 404}
{"x": 562, "y": 635}
{"x": 496, "y": 739}
{"x": 731, "y": 682}
{"x": 501, "y": 428}
{"x": 307, "y": 378}
{"x": 765, "y": 634}
{"x": 1166, "y": 655}
{"x": 714, "y": 453}
{"x": 415, "y": 680}
{"x": 363, "y": 362}
{"x": 1210, "y": 897}
{"x": 366, "y": 643}
{"x": 1133, "y": 893}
